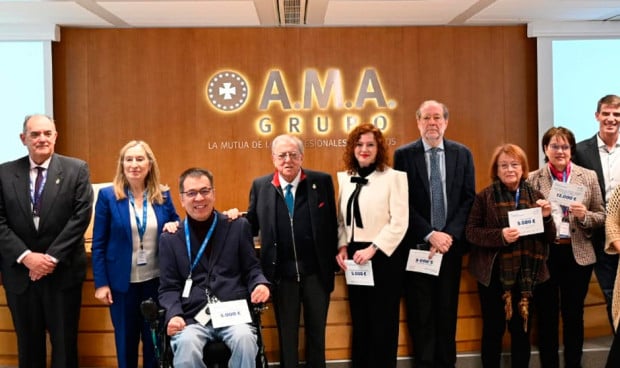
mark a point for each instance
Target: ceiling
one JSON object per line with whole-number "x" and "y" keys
{"x": 295, "y": 13}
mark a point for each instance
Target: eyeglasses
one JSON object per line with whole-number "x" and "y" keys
{"x": 512, "y": 165}
{"x": 193, "y": 193}
{"x": 292, "y": 155}
{"x": 557, "y": 147}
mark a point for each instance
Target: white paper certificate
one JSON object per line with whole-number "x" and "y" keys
{"x": 359, "y": 274}
{"x": 234, "y": 312}
{"x": 528, "y": 221}
{"x": 566, "y": 194}
{"x": 418, "y": 262}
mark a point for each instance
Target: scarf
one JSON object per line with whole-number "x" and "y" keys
{"x": 520, "y": 261}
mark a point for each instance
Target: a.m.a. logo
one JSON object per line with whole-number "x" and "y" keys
{"x": 323, "y": 104}
{"x": 227, "y": 91}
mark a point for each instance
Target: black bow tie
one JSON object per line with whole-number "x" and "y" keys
{"x": 359, "y": 180}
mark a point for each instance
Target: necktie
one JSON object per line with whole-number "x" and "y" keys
{"x": 438, "y": 216}
{"x": 288, "y": 198}
{"x": 36, "y": 203}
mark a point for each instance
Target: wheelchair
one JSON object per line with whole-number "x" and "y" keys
{"x": 215, "y": 354}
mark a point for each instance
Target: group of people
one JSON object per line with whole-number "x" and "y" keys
{"x": 374, "y": 228}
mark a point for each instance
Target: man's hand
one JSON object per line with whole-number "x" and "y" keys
{"x": 341, "y": 257}
{"x": 232, "y": 213}
{"x": 39, "y": 264}
{"x": 175, "y": 325}
{"x": 260, "y": 294}
{"x": 510, "y": 234}
{"x": 440, "y": 243}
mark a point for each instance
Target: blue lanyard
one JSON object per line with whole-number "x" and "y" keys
{"x": 564, "y": 208}
{"x": 203, "y": 246}
{"x": 517, "y": 197}
{"x": 141, "y": 225}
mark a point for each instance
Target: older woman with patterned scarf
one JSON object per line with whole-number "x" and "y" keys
{"x": 506, "y": 265}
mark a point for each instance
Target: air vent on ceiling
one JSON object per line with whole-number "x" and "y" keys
{"x": 292, "y": 12}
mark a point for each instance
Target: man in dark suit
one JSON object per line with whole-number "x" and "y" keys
{"x": 45, "y": 208}
{"x": 209, "y": 259}
{"x": 432, "y": 301}
{"x": 601, "y": 153}
{"x": 298, "y": 247}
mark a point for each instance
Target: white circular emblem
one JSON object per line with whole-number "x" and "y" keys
{"x": 227, "y": 91}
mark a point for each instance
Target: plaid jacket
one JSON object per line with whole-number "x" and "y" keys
{"x": 580, "y": 233}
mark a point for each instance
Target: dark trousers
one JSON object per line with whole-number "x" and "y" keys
{"x": 130, "y": 326}
{"x": 432, "y": 303}
{"x": 494, "y": 325}
{"x": 288, "y": 298}
{"x": 564, "y": 292}
{"x": 375, "y": 313}
{"x": 613, "y": 359}
{"x": 45, "y": 307}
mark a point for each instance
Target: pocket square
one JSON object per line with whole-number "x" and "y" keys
{"x": 321, "y": 204}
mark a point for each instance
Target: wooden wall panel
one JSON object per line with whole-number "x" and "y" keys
{"x": 114, "y": 85}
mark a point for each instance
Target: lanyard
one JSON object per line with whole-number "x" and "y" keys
{"x": 564, "y": 208}
{"x": 140, "y": 224}
{"x": 517, "y": 197}
{"x": 203, "y": 246}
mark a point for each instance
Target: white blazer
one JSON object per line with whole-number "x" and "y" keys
{"x": 384, "y": 208}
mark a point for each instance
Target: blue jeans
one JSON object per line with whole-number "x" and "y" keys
{"x": 188, "y": 344}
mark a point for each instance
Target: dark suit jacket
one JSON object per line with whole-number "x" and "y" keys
{"x": 112, "y": 240}
{"x": 460, "y": 191}
{"x": 587, "y": 155}
{"x": 65, "y": 214}
{"x": 324, "y": 226}
{"x": 231, "y": 272}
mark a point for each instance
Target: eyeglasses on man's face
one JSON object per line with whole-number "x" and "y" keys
{"x": 294, "y": 156}
{"x": 204, "y": 192}
{"x": 558, "y": 147}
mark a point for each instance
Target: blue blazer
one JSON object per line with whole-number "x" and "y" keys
{"x": 112, "y": 241}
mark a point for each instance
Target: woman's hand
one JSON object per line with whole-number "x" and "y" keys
{"x": 545, "y": 205}
{"x": 578, "y": 210}
{"x": 171, "y": 227}
{"x": 510, "y": 234}
{"x": 341, "y": 257}
{"x": 104, "y": 295}
{"x": 364, "y": 255}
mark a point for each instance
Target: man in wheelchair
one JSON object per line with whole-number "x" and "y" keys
{"x": 208, "y": 269}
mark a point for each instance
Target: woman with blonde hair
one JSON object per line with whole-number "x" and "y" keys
{"x": 129, "y": 217}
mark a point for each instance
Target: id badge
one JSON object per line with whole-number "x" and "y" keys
{"x": 141, "y": 257}
{"x": 187, "y": 288}
{"x": 564, "y": 229}
{"x": 203, "y": 317}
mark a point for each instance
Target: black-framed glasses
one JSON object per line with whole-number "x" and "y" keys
{"x": 193, "y": 193}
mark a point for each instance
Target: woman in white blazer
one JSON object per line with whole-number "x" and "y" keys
{"x": 372, "y": 221}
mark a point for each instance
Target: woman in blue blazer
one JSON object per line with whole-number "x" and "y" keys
{"x": 129, "y": 217}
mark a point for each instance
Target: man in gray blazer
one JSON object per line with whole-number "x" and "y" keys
{"x": 298, "y": 247}
{"x": 45, "y": 208}
{"x": 601, "y": 153}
